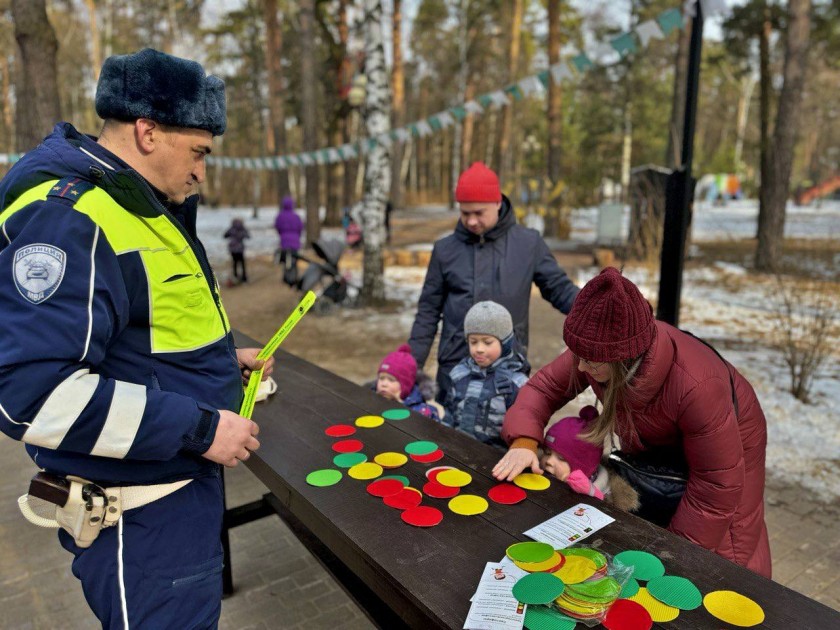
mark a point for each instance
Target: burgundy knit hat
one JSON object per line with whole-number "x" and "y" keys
{"x": 478, "y": 183}
{"x": 402, "y": 366}
{"x": 563, "y": 438}
{"x": 609, "y": 320}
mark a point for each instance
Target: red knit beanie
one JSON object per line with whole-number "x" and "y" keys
{"x": 402, "y": 366}
{"x": 563, "y": 437}
{"x": 609, "y": 320}
{"x": 478, "y": 183}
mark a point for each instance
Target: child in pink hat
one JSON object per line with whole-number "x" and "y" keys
{"x": 397, "y": 379}
{"x": 572, "y": 459}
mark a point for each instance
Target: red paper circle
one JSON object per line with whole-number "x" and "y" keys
{"x": 404, "y": 499}
{"x": 340, "y": 430}
{"x": 348, "y": 446}
{"x": 384, "y": 487}
{"x": 626, "y": 614}
{"x": 507, "y": 494}
{"x": 428, "y": 459}
{"x": 439, "y": 491}
{"x": 422, "y": 516}
{"x": 432, "y": 473}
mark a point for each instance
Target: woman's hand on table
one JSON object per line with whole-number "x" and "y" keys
{"x": 515, "y": 461}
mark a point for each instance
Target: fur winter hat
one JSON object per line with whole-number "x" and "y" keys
{"x": 564, "y": 439}
{"x": 166, "y": 89}
{"x": 478, "y": 183}
{"x": 610, "y": 320}
{"x": 488, "y": 318}
{"x": 402, "y": 366}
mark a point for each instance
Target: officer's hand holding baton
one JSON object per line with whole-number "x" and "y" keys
{"x": 235, "y": 438}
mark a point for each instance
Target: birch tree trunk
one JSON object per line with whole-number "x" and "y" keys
{"x": 378, "y": 165}
{"x": 38, "y": 106}
{"x": 95, "y": 48}
{"x": 398, "y": 87}
{"x": 307, "y": 114}
{"x": 771, "y": 237}
{"x": 276, "y": 109}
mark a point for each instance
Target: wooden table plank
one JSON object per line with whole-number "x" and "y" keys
{"x": 428, "y": 575}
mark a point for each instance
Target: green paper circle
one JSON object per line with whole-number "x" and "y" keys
{"x": 597, "y": 557}
{"x": 675, "y": 591}
{"x": 538, "y": 588}
{"x": 421, "y": 447}
{"x": 645, "y": 565}
{"x": 323, "y": 478}
{"x": 396, "y": 414}
{"x": 545, "y": 618}
{"x": 348, "y": 460}
{"x": 402, "y": 478}
{"x": 530, "y": 551}
{"x": 629, "y": 589}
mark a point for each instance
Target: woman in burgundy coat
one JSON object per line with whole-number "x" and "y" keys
{"x": 659, "y": 387}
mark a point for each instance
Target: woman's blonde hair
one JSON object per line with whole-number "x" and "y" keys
{"x": 617, "y": 391}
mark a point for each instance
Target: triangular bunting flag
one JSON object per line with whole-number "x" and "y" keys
{"x": 647, "y": 31}
{"x": 401, "y": 134}
{"x": 603, "y": 52}
{"x": 434, "y": 123}
{"x": 529, "y": 85}
{"x": 384, "y": 139}
{"x": 513, "y": 90}
{"x": 581, "y": 62}
{"x": 423, "y": 128}
{"x": 544, "y": 78}
{"x": 498, "y": 98}
{"x": 486, "y": 100}
{"x": 473, "y": 108}
{"x": 670, "y": 20}
{"x": 560, "y": 72}
{"x": 624, "y": 44}
{"x": 459, "y": 112}
{"x": 306, "y": 159}
{"x": 445, "y": 119}
{"x": 333, "y": 155}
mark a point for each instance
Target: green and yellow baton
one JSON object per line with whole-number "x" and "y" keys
{"x": 256, "y": 376}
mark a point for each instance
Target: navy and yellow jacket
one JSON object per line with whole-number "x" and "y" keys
{"x": 115, "y": 350}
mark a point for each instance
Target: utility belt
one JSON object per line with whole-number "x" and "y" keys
{"x": 81, "y": 507}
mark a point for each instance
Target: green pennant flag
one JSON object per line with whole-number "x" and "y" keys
{"x": 582, "y": 62}
{"x": 371, "y": 143}
{"x": 486, "y": 100}
{"x": 544, "y": 78}
{"x": 434, "y": 123}
{"x": 413, "y": 130}
{"x": 624, "y": 44}
{"x": 670, "y": 20}
{"x": 459, "y": 112}
{"x": 514, "y": 91}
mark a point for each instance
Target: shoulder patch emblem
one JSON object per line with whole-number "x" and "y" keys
{"x": 39, "y": 270}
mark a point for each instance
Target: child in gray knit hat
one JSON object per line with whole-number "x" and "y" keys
{"x": 485, "y": 384}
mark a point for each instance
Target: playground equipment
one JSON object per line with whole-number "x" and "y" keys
{"x": 823, "y": 189}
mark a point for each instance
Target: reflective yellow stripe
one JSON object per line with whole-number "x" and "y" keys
{"x": 182, "y": 312}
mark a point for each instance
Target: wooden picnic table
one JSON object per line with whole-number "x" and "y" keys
{"x": 424, "y": 577}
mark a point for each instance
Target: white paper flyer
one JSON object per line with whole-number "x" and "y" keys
{"x": 493, "y": 606}
{"x": 571, "y": 526}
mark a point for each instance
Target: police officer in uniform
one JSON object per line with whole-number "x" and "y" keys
{"x": 117, "y": 363}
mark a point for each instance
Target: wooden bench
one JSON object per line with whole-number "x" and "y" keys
{"x": 424, "y": 578}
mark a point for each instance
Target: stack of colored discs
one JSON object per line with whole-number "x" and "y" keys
{"x": 554, "y": 563}
{"x": 599, "y": 559}
{"x": 588, "y": 600}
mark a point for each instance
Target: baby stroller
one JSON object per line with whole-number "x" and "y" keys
{"x": 325, "y": 278}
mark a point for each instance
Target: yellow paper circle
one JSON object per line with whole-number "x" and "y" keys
{"x": 454, "y": 479}
{"x": 369, "y": 422}
{"x": 537, "y": 567}
{"x": 365, "y": 470}
{"x": 390, "y": 459}
{"x": 658, "y": 611}
{"x": 530, "y": 481}
{"x": 576, "y": 570}
{"x": 734, "y": 608}
{"x": 467, "y": 504}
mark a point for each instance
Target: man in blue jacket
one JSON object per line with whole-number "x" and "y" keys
{"x": 117, "y": 363}
{"x": 488, "y": 257}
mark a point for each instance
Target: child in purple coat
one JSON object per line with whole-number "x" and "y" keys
{"x": 289, "y": 227}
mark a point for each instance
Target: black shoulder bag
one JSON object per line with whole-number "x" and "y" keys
{"x": 660, "y": 475}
